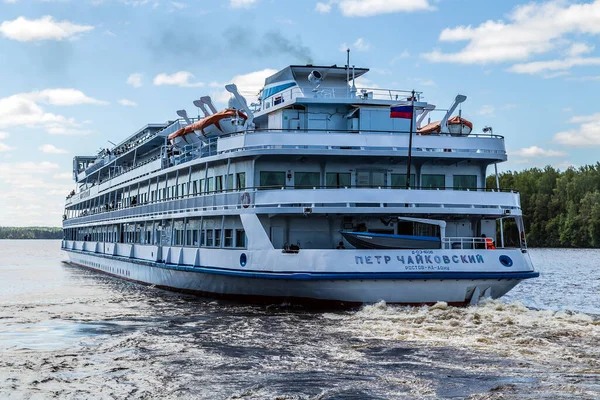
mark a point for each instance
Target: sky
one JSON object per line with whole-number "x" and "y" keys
{"x": 76, "y": 74}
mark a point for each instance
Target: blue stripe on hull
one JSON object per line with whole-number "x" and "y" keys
{"x": 307, "y": 276}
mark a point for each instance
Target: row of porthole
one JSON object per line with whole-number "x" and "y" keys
{"x": 108, "y": 269}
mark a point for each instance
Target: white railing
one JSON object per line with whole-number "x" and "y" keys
{"x": 464, "y": 243}
{"x": 377, "y": 200}
{"x": 364, "y": 140}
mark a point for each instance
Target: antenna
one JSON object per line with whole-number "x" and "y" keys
{"x": 348, "y": 69}
{"x": 111, "y": 142}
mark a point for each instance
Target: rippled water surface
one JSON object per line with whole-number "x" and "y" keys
{"x": 69, "y": 333}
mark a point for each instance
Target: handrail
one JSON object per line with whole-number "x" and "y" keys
{"x": 104, "y": 208}
{"x": 352, "y": 132}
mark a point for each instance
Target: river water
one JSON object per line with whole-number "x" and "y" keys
{"x": 69, "y": 333}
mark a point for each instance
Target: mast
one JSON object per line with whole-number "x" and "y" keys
{"x": 412, "y": 115}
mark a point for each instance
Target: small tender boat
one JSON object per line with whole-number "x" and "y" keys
{"x": 369, "y": 240}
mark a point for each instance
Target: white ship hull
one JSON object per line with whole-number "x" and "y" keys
{"x": 401, "y": 282}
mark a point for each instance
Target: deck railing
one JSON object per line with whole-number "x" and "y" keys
{"x": 281, "y": 196}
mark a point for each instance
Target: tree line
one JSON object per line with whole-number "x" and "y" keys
{"x": 7, "y": 232}
{"x": 561, "y": 209}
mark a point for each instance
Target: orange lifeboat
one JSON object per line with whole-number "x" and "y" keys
{"x": 456, "y": 126}
{"x": 212, "y": 125}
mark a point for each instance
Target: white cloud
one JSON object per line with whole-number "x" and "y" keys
{"x": 135, "y": 80}
{"x": 50, "y": 149}
{"x": 586, "y": 135}
{"x": 359, "y": 44}
{"x": 30, "y": 194}
{"x": 127, "y": 103}
{"x": 4, "y": 147}
{"x": 405, "y": 54}
{"x": 10, "y": 1}
{"x": 554, "y": 65}
{"x": 323, "y": 8}
{"x": 62, "y": 97}
{"x": 241, "y": 3}
{"x": 248, "y": 85}
{"x": 537, "y": 152}
{"x": 578, "y": 49}
{"x": 486, "y": 110}
{"x": 181, "y": 78}
{"x": 534, "y": 28}
{"x": 368, "y": 8}
{"x": 25, "y": 109}
{"x": 179, "y": 6}
{"x": 45, "y": 28}
{"x": 4, "y": 135}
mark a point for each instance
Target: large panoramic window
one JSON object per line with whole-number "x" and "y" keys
{"x": 464, "y": 182}
{"x": 219, "y": 183}
{"x": 433, "y": 181}
{"x": 338, "y": 179}
{"x": 398, "y": 181}
{"x": 272, "y": 179}
{"x": 210, "y": 185}
{"x": 307, "y": 179}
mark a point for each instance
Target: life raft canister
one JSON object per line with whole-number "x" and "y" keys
{"x": 245, "y": 199}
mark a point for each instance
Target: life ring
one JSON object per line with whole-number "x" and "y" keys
{"x": 245, "y": 199}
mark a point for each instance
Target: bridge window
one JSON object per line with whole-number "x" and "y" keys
{"x": 272, "y": 179}
{"x": 338, "y": 179}
{"x": 399, "y": 181}
{"x": 240, "y": 180}
{"x": 307, "y": 179}
{"x": 464, "y": 182}
{"x": 433, "y": 181}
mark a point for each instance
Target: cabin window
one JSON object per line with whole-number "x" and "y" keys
{"x": 195, "y": 188}
{"x": 399, "y": 181}
{"x": 189, "y": 238}
{"x": 202, "y": 186}
{"x": 217, "y": 238}
{"x": 229, "y": 184}
{"x": 464, "y": 182}
{"x": 338, "y": 179}
{"x": 240, "y": 238}
{"x": 240, "y": 180}
{"x": 370, "y": 178}
{"x": 209, "y": 238}
{"x": 219, "y": 183}
{"x": 210, "y": 185}
{"x": 433, "y": 181}
{"x": 307, "y": 179}
{"x": 195, "y": 237}
{"x": 228, "y": 238}
{"x": 272, "y": 179}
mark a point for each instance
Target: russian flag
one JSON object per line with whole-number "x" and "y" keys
{"x": 401, "y": 112}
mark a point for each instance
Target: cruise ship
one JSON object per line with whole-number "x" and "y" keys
{"x": 318, "y": 191}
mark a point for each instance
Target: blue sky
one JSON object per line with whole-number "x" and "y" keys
{"x": 77, "y": 73}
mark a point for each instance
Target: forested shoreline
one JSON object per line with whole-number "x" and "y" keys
{"x": 34, "y": 232}
{"x": 560, "y": 208}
